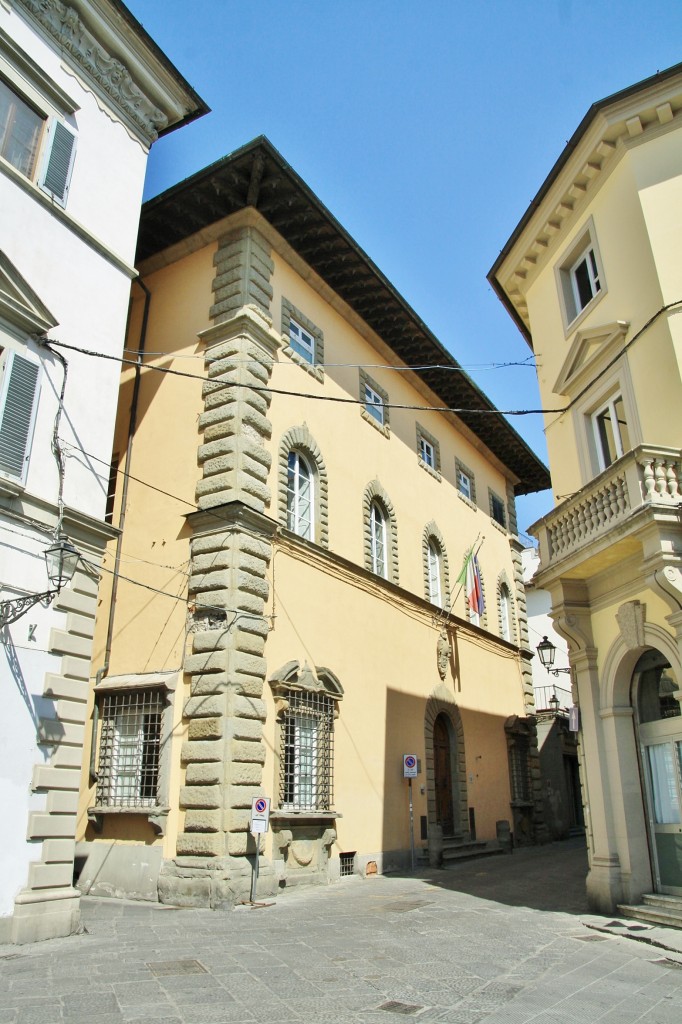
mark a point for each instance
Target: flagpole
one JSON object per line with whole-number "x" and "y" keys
{"x": 472, "y": 554}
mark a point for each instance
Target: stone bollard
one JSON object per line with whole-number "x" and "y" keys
{"x": 435, "y": 846}
{"x": 504, "y": 836}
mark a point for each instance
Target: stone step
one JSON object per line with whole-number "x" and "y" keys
{"x": 659, "y": 899}
{"x": 469, "y": 851}
{"x": 655, "y": 909}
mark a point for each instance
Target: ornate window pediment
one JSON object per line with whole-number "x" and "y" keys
{"x": 588, "y": 354}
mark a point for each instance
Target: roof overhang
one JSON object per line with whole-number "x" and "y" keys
{"x": 257, "y": 176}
{"x": 608, "y": 127}
{"x": 118, "y": 59}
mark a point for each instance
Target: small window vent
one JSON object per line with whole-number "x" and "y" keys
{"x": 347, "y": 864}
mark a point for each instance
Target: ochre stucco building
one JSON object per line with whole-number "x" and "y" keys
{"x": 593, "y": 277}
{"x": 281, "y": 615}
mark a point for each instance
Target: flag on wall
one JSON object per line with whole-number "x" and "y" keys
{"x": 470, "y": 577}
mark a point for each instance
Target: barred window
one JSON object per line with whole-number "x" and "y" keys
{"x": 519, "y": 765}
{"x": 129, "y": 749}
{"x": 307, "y": 752}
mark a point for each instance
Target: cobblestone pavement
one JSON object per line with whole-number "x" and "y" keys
{"x": 505, "y": 940}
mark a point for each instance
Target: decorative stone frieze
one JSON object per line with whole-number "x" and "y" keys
{"x": 630, "y": 617}
{"x": 64, "y": 23}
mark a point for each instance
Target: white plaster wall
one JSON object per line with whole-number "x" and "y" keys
{"x": 538, "y": 604}
{"x": 108, "y": 173}
{"x": 24, "y": 660}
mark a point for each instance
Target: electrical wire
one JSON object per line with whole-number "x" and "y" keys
{"x": 219, "y": 385}
{"x": 527, "y": 362}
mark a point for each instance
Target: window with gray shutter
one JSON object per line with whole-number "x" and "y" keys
{"x": 57, "y": 173}
{"x": 17, "y": 406}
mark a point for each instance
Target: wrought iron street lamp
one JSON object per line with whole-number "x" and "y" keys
{"x": 61, "y": 559}
{"x": 546, "y": 652}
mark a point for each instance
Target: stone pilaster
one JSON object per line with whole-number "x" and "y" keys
{"x": 231, "y": 549}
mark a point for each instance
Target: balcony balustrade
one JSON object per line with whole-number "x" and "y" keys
{"x": 644, "y": 477}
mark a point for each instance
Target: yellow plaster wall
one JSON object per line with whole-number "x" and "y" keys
{"x": 381, "y": 648}
{"x": 384, "y": 654}
{"x": 630, "y": 212}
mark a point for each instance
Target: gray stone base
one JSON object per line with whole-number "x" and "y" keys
{"x": 50, "y": 915}
{"x": 119, "y": 870}
{"x": 219, "y": 884}
{"x": 604, "y": 885}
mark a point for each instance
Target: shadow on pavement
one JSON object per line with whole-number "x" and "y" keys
{"x": 549, "y": 877}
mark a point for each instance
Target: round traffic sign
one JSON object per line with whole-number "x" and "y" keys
{"x": 260, "y": 805}
{"x": 410, "y": 761}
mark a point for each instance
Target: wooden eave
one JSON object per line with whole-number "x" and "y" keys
{"x": 256, "y": 175}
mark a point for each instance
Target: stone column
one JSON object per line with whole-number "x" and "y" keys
{"x": 571, "y": 613}
{"x": 231, "y": 549}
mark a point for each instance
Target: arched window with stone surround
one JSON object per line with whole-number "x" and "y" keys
{"x": 505, "y": 609}
{"x": 381, "y": 535}
{"x": 303, "y": 486}
{"x": 436, "y": 567}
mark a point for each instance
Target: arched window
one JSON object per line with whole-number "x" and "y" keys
{"x": 435, "y": 585}
{"x": 377, "y": 530}
{"x": 300, "y": 496}
{"x": 436, "y": 572}
{"x": 506, "y": 619}
{"x": 303, "y": 488}
{"x": 381, "y": 534}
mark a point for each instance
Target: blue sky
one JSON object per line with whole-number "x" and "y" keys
{"x": 426, "y": 127}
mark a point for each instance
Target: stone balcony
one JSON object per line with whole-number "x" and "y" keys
{"x": 601, "y": 524}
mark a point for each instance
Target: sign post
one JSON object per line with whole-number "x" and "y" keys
{"x": 260, "y": 819}
{"x": 410, "y": 768}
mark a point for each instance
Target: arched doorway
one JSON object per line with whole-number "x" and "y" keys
{"x": 442, "y": 774}
{"x": 656, "y": 698}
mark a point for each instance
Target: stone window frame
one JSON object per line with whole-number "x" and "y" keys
{"x": 424, "y": 434}
{"x": 583, "y": 244}
{"x": 290, "y": 679}
{"x": 461, "y": 467}
{"x": 384, "y": 427}
{"x": 374, "y": 492}
{"x": 503, "y": 582}
{"x": 289, "y": 313}
{"x": 300, "y": 439}
{"x": 432, "y": 533}
{"x": 494, "y": 497}
{"x": 166, "y": 683}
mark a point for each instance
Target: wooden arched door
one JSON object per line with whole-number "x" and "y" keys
{"x": 442, "y": 764}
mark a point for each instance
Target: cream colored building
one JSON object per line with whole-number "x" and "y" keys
{"x": 282, "y": 616}
{"x": 592, "y": 275}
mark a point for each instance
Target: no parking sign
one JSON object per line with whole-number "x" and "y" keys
{"x": 409, "y": 766}
{"x": 260, "y": 814}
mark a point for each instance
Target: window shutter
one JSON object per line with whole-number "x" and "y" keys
{"x": 59, "y": 162}
{"x": 16, "y": 425}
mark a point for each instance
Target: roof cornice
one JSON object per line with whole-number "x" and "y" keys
{"x": 258, "y": 176}
{"x": 609, "y": 128}
{"x": 119, "y": 61}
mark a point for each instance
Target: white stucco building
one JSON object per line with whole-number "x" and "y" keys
{"x": 84, "y": 92}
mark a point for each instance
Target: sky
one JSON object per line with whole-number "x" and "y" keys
{"x": 425, "y": 126}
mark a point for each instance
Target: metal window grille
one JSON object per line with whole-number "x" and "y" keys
{"x": 129, "y": 749}
{"x": 307, "y": 752}
{"x": 519, "y": 764}
{"x": 347, "y": 862}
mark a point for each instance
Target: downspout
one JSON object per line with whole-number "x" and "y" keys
{"x": 132, "y": 426}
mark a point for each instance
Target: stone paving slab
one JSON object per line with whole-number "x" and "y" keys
{"x": 507, "y": 941}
